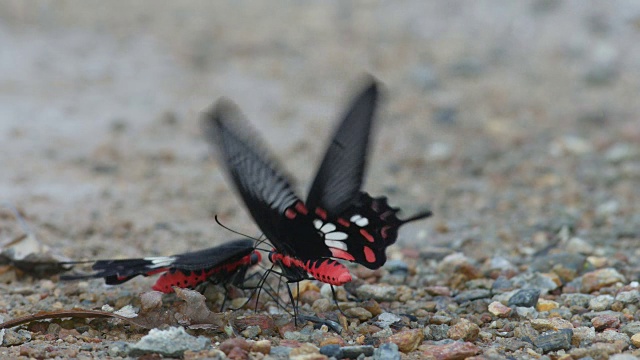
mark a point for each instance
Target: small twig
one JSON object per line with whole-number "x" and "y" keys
{"x": 73, "y": 313}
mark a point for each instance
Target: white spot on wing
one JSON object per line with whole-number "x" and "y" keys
{"x": 336, "y": 244}
{"x": 317, "y": 223}
{"x": 160, "y": 261}
{"x": 328, "y": 227}
{"x": 362, "y": 222}
{"x": 336, "y": 235}
{"x": 355, "y": 218}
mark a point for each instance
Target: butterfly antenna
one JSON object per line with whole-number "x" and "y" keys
{"x": 234, "y": 231}
{"x": 418, "y": 216}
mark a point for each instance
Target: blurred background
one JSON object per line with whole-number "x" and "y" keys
{"x": 511, "y": 120}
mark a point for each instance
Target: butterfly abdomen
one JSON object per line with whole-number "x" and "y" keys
{"x": 218, "y": 274}
{"x": 326, "y": 270}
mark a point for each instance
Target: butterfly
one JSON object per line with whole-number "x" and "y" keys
{"x": 337, "y": 221}
{"x": 224, "y": 264}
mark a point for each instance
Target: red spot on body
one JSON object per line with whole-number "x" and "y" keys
{"x": 366, "y": 235}
{"x": 369, "y": 254}
{"x": 290, "y": 213}
{"x": 301, "y": 208}
{"x": 321, "y": 213}
{"x": 341, "y": 254}
{"x": 343, "y": 222}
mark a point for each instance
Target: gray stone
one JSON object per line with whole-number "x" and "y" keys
{"x": 534, "y": 280}
{"x": 527, "y": 312}
{"x": 280, "y": 352}
{"x": 628, "y": 297}
{"x": 436, "y": 332}
{"x": 388, "y": 351}
{"x": 554, "y": 340}
{"x": 472, "y": 295}
{"x": 332, "y": 350}
{"x": 386, "y": 319}
{"x": 631, "y": 328}
{"x": 576, "y": 299}
{"x": 525, "y": 298}
{"x": 356, "y": 351}
{"x": 376, "y": 292}
{"x": 12, "y": 337}
{"x": 119, "y": 348}
{"x": 612, "y": 336}
{"x": 601, "y": 303}
{"x": 622, "y": 357}
{"x": 171, "y": 342}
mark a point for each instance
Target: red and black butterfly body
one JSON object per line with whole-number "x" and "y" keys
{"x": 338, "y": 220}
{"x": 224, "y": 264}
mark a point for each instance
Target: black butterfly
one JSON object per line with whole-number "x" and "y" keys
{"x": 224, "y": 264}
{"x": 338, "y": 220}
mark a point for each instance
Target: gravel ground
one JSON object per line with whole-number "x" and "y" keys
{"x": 516, "y": 122}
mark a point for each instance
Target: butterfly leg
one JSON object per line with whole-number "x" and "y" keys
{"x": 335, "y": 300}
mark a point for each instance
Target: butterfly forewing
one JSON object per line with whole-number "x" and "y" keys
{"x": 339, "y": 178}
{"x": 265, "y": 190}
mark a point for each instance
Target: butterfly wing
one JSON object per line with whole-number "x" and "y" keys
{"x": 339, "y": 179}
{"x": 191, "y": 268}
{"x": 264, "y": 189}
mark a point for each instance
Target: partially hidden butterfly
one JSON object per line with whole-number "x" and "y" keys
{"x": 337, "y": 221}
{"x": 224, "y": 264}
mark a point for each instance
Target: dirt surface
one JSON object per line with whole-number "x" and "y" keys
{"x": 517, "y": 123}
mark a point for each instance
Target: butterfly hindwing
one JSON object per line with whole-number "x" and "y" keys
{"x": 183, "y": 270}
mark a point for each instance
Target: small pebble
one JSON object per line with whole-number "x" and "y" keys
{"x": 583, "y": 336}
{"x": 497, "y": 309}
{"x": 359, "y": 313}
{"x": 453, "y": 351}
{"x": 385, "y": 319}
{"x": 353, "y": 352}
{"x": 387, "y": 351}
{"x": 631, "y": 328}
{"x": 596, "y": 280}
{"x": 605, "y": 321}
{"x": 524, "y": 298}
{"x": 601, "y": 302}
{"x": 464, "y": 330}
{"x": 554, "y": 340}
{"x": 172, "y": 342}
{"x": 332, "y": 351}
{"x": 470, "y": 295}
{"x": 635, "y": 340}
{"x": 546, "y": 305}
{"x": 628, "y": 297}
{"x": 407, "y": 340}
{"x": 376, "y": 292}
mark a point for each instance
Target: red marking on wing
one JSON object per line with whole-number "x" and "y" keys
{"x": 341, "y": 254}
{"x": 290, "y": 213}
{"x": 343, "y": 222}
{"x": 301, "y": 208}
{"x": 168, "y": 280}
{"x": 321, "y": 213}
{"x": 366, "y": 235}
{"x": 383, "y": 231}
{"x": 369, "y": 254}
